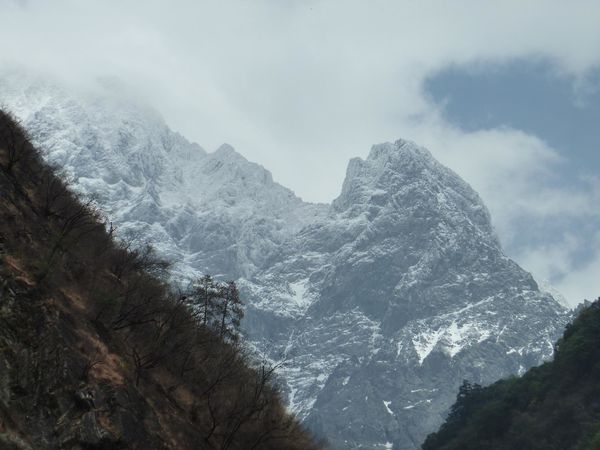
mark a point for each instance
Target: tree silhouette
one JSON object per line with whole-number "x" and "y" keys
{"x": 216, "y": 305}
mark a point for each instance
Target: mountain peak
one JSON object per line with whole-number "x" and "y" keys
{"x": 226, "y": 160}
{"x": 399, "y": 149}
{"x": 405, "y": 177}
{"x": 389, "y": 168}
{"x": 227, "y": 151}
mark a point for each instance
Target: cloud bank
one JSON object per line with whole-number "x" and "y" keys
{"x": 302, "y": 86}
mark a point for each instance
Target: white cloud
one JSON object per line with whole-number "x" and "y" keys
{"x": 291, "y": 83}
{"x": 557, "y": 261}
{"x": 301, "y": 87}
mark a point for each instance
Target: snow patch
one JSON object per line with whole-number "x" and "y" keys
{"x": 387, "y": 407}
{"x": 299, "y": 290}
{"x": 426, "y": 342}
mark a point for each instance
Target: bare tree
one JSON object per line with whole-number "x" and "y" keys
{"x": 53, "y": 191}
{"x": 254, "y": 399}
{"x": 229, "y": 307}
{"x": 131, "y": 256}
{"x": 13, "y": 137}
{"x": 73, "y": 224}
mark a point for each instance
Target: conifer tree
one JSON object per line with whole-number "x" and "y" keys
{"x": 216, "y": 305}
{"x": 230, "y": 311}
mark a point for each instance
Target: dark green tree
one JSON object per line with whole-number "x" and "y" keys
{"x": 216, "y": 305}
{"x": 230, "y": 311}
{"x": 202, "y": 300}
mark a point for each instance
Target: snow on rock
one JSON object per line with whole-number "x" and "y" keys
{"x": 387, "y": 407}
{"x": 391, "y": 295}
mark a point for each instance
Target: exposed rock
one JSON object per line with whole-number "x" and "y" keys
{"x": 381, "y": 303}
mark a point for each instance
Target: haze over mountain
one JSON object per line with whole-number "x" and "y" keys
{"x": 380, "y": 303}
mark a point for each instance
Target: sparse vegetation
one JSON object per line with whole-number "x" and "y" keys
{"x": 97, "y": 350}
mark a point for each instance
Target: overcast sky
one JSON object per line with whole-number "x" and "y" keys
{"x": 505, "y": 93}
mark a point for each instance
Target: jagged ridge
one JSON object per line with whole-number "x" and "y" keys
{"x": 397, "y": 290}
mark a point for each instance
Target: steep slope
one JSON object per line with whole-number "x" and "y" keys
{"x": 553, "y": 406}
{"x": 380, "y": 303}
{"x": 96, "y": 350}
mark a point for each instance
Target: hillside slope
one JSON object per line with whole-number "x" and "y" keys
{"x": 555, "y": 406}
{"x": 96, "y": 351}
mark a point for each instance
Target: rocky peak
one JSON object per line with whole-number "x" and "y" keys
{"x": 389, "y": 166}
{"x": 399, "y": 289}
{"x": 226, "y": 166}
{"x": 226, "y": 151}
{"x": 403, "y": 178}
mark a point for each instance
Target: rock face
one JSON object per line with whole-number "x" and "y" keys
{"x": 380, "y": 303}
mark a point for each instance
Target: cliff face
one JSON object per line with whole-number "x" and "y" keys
{"x": 96, "y": 350}
{"x": 380, "y": 303}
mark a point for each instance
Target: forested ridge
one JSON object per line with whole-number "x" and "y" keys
{"x": 98, "y": 350}
{"x": 555, "y": 406}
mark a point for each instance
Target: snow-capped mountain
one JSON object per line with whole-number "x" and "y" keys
{"x": 380, "y": 303}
